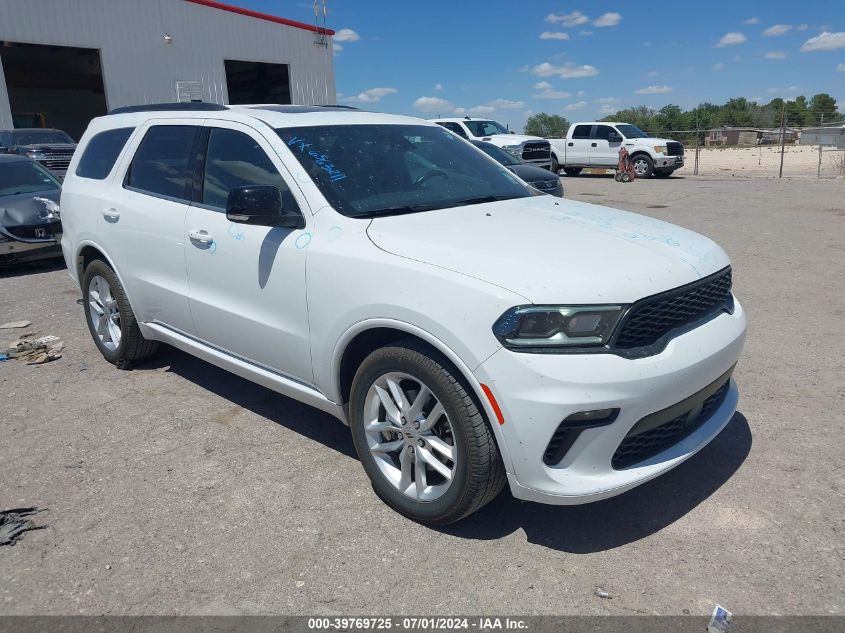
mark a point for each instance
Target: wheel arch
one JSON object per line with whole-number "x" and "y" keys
{"x": 365, "y": 337}
{"x": 87, "y": 252}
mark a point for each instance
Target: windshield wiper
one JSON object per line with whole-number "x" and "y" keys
{"x": 482, "y": 200}
{"x": 401, "y": 210}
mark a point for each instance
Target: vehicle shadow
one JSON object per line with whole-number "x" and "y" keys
{"x": 580, "y": 529}
{"x": 636, "y": 514}
{"x": 31, "y": 268}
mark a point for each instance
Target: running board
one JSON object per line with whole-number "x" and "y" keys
{"x": 244, "y": 369}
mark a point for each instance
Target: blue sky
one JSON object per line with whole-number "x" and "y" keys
{"x": 507, "y": 59}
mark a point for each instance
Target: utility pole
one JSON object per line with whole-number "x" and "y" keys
{"x": 782, "y": 137}
{"x": 821, "y": 131}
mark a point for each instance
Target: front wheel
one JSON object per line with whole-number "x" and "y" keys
{"x": 555, "y": 165}
{"x": 643, "y": 165}
{"x": 572, "y": 171}
{"x": 664, "y": 173}
{"x": 420, "y": 436}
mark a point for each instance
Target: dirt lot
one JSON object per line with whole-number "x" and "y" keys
{"x": 177, "y": 488}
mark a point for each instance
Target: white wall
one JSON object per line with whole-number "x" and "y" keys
{"x": 139, "y": 67}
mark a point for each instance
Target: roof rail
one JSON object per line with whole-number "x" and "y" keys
{"x": 195, "y": 106}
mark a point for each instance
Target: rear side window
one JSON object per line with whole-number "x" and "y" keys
{"x": 102, "y": 152}
{"x": 164, "y": 162}
{"x": 604, "y": 132}
{"x": 454, "y": 127}
{"x": 582, "y": 131}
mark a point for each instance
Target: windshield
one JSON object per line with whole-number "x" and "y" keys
{"x": 631, "y": 131}
{"x": 485, "y": 128}
{"x": 369, "y": 170}
{"x": 38, "y": 137}
{"x": 25, "y": 177}
{"x": 497, "y": 153}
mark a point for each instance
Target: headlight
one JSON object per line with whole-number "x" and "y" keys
{"x": 516, "y": 150}
{"x": 556, "y": 326}
{"x": 660, "y": 149}
{"x": 36, "y": 155}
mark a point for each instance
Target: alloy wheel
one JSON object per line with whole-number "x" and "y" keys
{"x": 104, "y": 312}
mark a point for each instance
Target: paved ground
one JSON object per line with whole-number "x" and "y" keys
{"x": 176, "y": 488}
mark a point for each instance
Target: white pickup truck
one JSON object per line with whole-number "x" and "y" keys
{"x": 596, "y": 144}
{"x": 529, "y": 149}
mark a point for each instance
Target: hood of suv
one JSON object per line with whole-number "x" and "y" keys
{"x": 554, "y": 251}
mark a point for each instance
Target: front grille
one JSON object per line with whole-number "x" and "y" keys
{"x": 651, "y": 318}
{"x": 537, "y": 150}
{"x": 33, "y": 231}
{"x": 56, "y": 162}
{"x": 637, "y": 447}
{"x": 674, "y": 149}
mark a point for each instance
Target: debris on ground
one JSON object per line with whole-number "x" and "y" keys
{"x": 3, "y": 357}
{"x": 15, "y": 324}
{"x": 601, "y": 593}
{"x": 720, "y": 621}
{"x": 14, "y": 522}
{"x": 36, "y": 351}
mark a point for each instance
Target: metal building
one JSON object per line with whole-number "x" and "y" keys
{"x": 64, "y": 62}
{"x": 833, "y": 135}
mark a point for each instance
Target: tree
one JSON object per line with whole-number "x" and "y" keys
{"x": 546, "y": 125}
{"x": 822, "y": 104}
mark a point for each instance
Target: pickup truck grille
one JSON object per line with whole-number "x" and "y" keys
{"x": 653, "y": 317}
{"x": 674, "y": 149}
{"x": 56, "y": 162}
{"x": 537, "y": 150}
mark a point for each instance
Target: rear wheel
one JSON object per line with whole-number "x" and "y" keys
{"x": 555, "y": 165}
{"x": 572, "y": 171}
{"x": 110, "y": 318}
{"x": 421, "y": 438}
{"x": 643, "y": 165}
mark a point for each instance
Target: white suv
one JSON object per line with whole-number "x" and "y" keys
{"x": 529, "y": 149}
{"x": 469, "y": 329}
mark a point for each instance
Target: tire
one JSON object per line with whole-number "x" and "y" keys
{"x": 643, "y": 165}
{"x": 121, "y": 342}
{"x": 663, "y": 173}
{"x": 476, "y": 472}
{"x": 572, "y": 171}
{"x": 555, "y": 165}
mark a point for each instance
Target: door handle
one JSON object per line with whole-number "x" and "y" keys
{"x": 592, "y": 145}
{"x": 201, "y": 236}
{"x": 111, "y": 214}
{"x": 571, "y": 144}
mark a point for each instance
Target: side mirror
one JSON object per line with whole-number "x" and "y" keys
{"x": 261, "y": 205}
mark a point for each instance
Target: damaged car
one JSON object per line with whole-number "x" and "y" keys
{"x": 30, "y": 228}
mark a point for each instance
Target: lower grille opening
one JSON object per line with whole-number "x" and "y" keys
{"x": 568, "y": 431}
{"x": 659, "y": 431}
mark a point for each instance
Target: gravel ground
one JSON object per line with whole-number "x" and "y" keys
{"x": 176, "y": 488}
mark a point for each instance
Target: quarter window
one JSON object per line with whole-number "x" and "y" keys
{"x": 235, "y": 159}
{"x": 582, "y": 131}
{"x": 163, "y": 164}
{"x": 102, "y": 152}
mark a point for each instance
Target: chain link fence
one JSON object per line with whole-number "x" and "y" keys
{"x": 747, "y": 152}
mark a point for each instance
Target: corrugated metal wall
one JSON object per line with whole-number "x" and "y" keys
{"x": 140, "y": 67}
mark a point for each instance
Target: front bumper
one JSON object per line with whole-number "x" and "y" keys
{"x": 537, "y": 391}
{"x": 14, "y": 250}
{"x": 668, "y": 162}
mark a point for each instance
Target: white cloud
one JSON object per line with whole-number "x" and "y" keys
{"x": 585, "y": 33}
{"x": 783, "y": 90}
{"x": 528, "y": 112}
{"x": 506, "y": 104}
{"x": 580, "y": 93}
{"x": 477, "y": 110}
{"x": 776, "y": 55}
{"x": 575, "y": 106}
{"x": 802, "y": 27}
{"x": 438, "y": 87}
{"x": 568, "y": 19}
{"x": 373, "y": 95}
{"x": 554, "y": 35}
{"x": 654, "y": 90}
{"x": 548, "y": 92}
{"x": 718, "y": 66}
{"x": 777, "y": 29}
{"x": 346, "y": 35}
{"x": 608, "y": 19}
{"x": 754, "y": 20}
{"x": 652, "y": 73}
{"x": 841, "y": 68}
{"x": 336, "y": 48}
{"x": 736, "y": 59}
{"x": 433, "y": 104}
{"x": 607, "y": 109}
{"x": 607, "y": 100}
{"x": 568, "y": 71}
{"x": 729, "y": 39}
{"x": 827, "y": 41}
{"x": 542, "y": 85}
